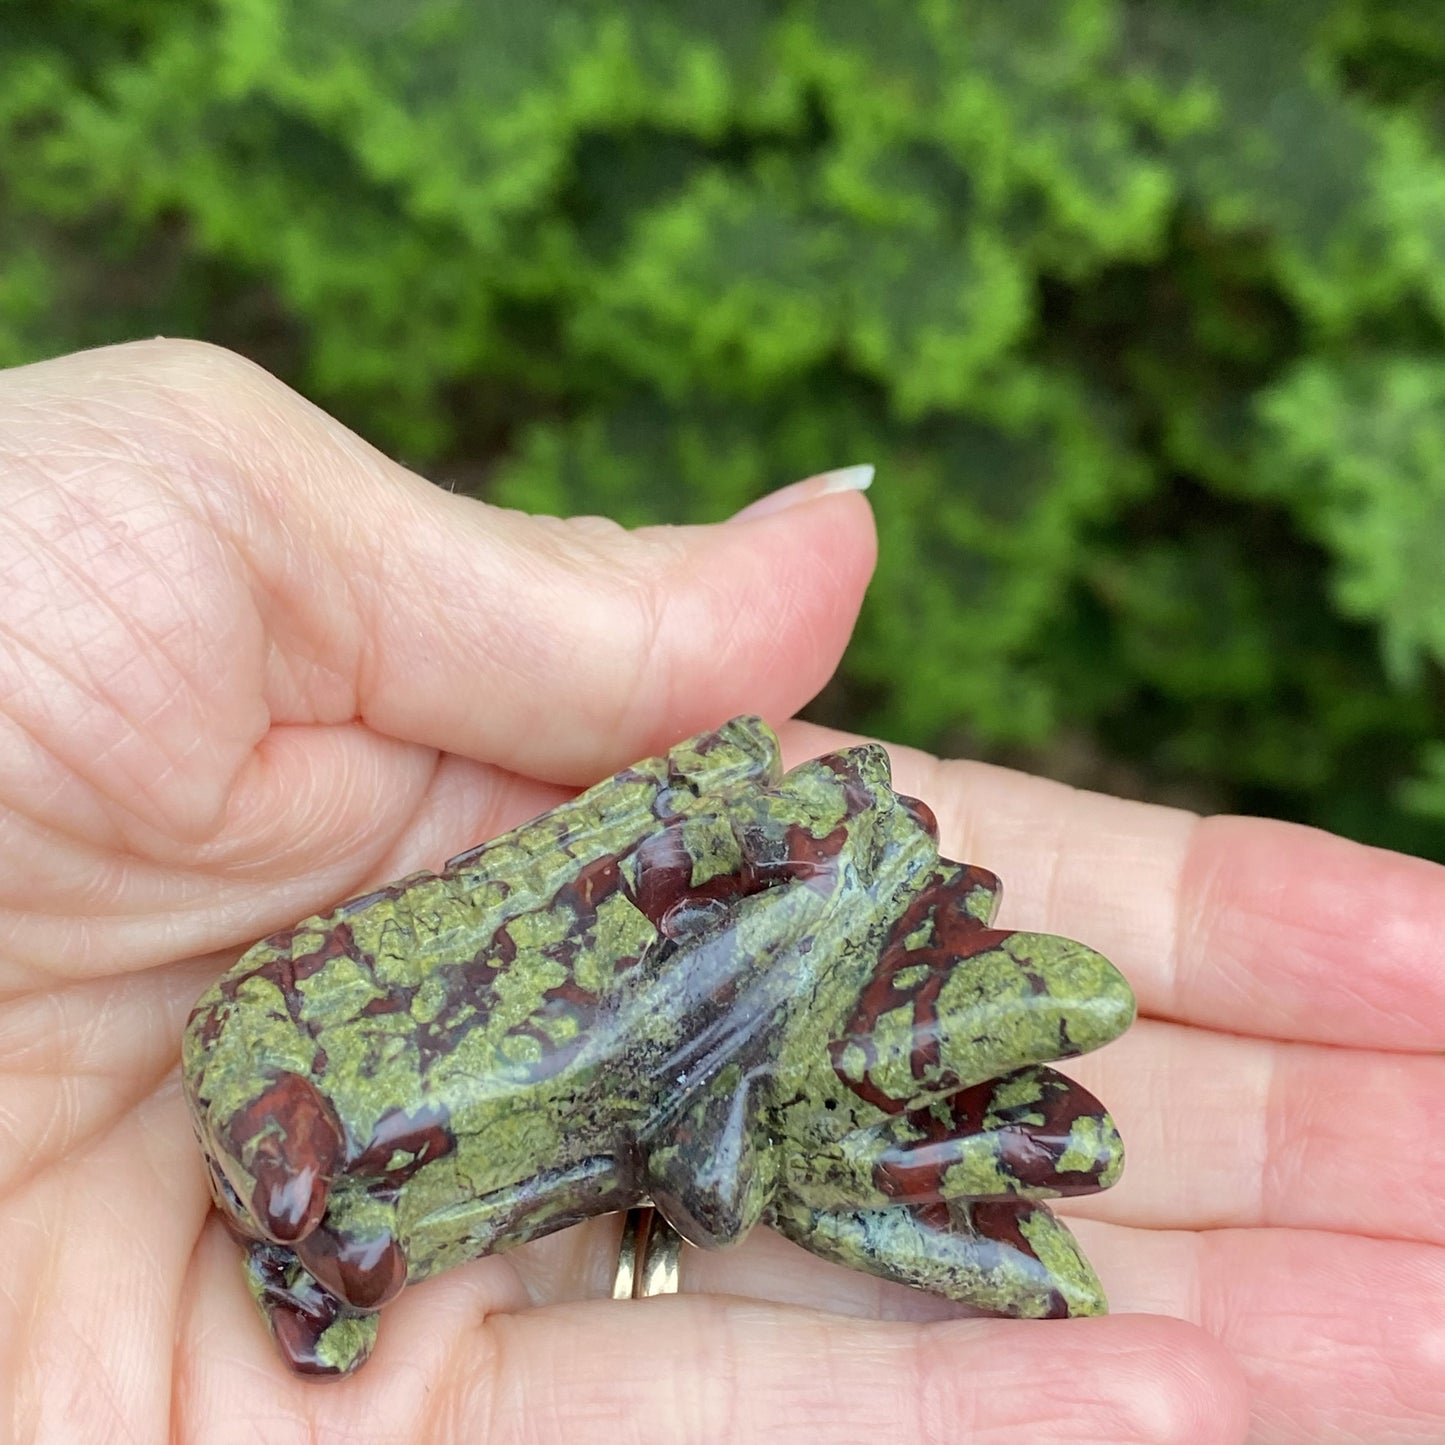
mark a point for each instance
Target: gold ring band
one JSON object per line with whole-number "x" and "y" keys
{"x": 647, "y": 1256}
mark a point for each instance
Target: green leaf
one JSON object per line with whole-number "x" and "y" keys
{"x": 1358, "y": 448}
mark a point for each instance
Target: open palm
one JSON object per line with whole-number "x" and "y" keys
{"x": 248, "y": 666}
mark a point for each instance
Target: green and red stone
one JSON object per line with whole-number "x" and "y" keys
{"x": 743, "y": 995}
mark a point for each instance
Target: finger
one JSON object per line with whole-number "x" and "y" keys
{"x": 562, "y": 649}
{"x": 566, "y": 650}
{"x": 1324, "y": 1321}
{"x": 1340, "y": 1337}
{"x": 93, "y": 1248}
{"x": 452, "y": 1366}
{"x": 75, "y": 1060}
{"x": 709, "y": 1369}
{"x": 1232, "y": 923}
{"x": 1223, "y": 1130}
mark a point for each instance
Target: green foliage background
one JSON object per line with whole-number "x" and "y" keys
{"x": 1139, "y": 308}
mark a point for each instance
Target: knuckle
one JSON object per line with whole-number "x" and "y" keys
{"x": 203, "y": 388}
{"x": 204, "y": 421}
{"x": 162, "y": 409}
{"x": 183, "y": 364}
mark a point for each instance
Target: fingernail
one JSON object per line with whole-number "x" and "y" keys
{"x": 845, "y": 479}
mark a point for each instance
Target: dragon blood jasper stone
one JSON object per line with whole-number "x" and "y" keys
{"x": 746, "y": 996}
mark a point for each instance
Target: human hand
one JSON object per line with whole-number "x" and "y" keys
{"x": 249, "y": 667}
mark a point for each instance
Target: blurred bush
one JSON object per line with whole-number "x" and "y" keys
{"x": 1138, "y": 307}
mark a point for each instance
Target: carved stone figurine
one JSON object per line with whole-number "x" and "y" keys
{"x": 742, "y": 995}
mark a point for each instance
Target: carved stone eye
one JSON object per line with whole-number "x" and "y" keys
{"x": 290, "y": 1143}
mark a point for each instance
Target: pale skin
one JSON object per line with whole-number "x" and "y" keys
{"x": 249, "y": 666}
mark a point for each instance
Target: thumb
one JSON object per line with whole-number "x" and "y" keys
{"x": 555, "y": 648}
{"x": 564, "y": 648}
